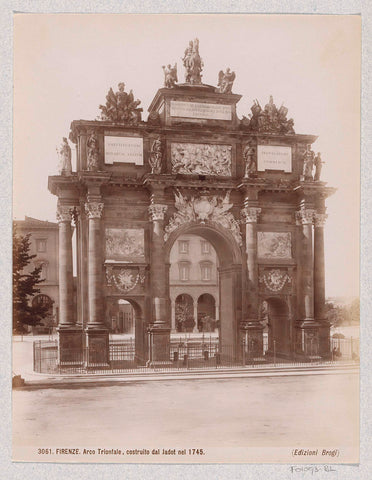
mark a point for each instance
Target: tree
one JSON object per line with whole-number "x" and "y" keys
{"x": 355, "y": 311}
{"x": 25, "y": 285}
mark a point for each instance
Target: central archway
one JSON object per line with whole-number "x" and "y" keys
{"x": 229, "y": 273}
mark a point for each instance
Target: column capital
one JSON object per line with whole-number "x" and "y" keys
{"x": 64, "y": 213}
{"x": 157, "y": 211}
{"x": 305, "y": 216}
{"x": 94, "y": 209}
{"x": 250, "y": 214}
{"x": 319, "y": 219}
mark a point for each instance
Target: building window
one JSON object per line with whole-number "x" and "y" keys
{"x": 184, "y": 268}
{"x": 205, "y": 247}
{"x": 183, "y": 246}
{"x": 206, "y": 272}
{"x": 41, "y": 245}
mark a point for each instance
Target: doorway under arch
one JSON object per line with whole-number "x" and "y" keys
{"x": 207, "y": 321}
{"x": 120, "y": 317}
{"x": 278, "y": 327}
{"x": 230, "y": 275}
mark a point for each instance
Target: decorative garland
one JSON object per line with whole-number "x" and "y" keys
{"x": 112, "y": 276}
{"x": 278, "y": 283}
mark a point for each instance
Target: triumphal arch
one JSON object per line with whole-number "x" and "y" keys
{"x": 249, "y": 186}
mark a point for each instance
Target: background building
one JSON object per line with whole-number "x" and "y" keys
{"x": 43, "y": 244}
{"x": 193, "y": 285}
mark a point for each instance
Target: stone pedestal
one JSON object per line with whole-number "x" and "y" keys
{"x": 159, "y": 346}
{"x": 307, "y": 341}
{"x": 251, "y": 339}
{"x": 324, "y": 339}
{"x": 97, "y": 348}
{"x": 70, "y": 346}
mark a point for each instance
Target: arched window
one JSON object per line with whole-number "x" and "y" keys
{"x": 42, "y": 299}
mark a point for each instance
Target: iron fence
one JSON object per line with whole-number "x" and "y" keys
{"x": 190, "y": 355}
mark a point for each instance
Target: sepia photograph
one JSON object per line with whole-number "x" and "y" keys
{"x": 186, "y": 203}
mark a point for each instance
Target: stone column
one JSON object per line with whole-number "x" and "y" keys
{"x": 250, "y": 328}
{"x": 319, "y": 283}
{"x": 69, "y": 335}
{"x": 304, "y": 219}
{"x": 159, "y": 330}
{"x": 195, "y": 304}
{"x": 96, "y": 332}
{"x": 173, "y": 315}
{"x": 307, "y": 335}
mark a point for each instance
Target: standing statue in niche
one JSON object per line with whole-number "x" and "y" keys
{"x": 318, "y": 166}
{"x": 92, "y": 152}
{"x": 193, "y": 63}
{"x": 156, "y": 155}
{"x": 170, "y": 75}
{"x": 225, "y": 81}
{"x": 249, "y": 155}
{"x": 308, "y": 158}
{"x": 64, "y": 153}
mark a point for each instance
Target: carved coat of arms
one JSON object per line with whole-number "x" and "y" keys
{"x": 204, "y": 208}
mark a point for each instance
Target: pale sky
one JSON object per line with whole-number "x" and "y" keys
{"x": 65, "y": 64}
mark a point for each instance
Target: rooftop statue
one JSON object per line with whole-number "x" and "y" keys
{"x": 64, "y": 154}
{"x": 170, "y": 75}
{"x": 121, "y": 106}
{"x": 270, "y": 119}
{"x": 193, "y": 63}
{"x": 225, "y": 81}
{"x": 318, "y": 166}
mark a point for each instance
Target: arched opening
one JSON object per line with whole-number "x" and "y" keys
{"x": 49, "y": 321}
{"x": 120, "y": 317}
{"x": 124, "y": 319}
{"x": 278, "y": 327}
{"x": 228, "y": 277}
{"x": 207, "y": 321}
{"x": 185, "y": 321}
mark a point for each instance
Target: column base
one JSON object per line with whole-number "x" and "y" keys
{"x": 97, "y": 348}
{"x": 70, "y": 346}
{"x": 324, "y": 338}
{"x": 159, "y": 346}
{"x": 251, "y": 339}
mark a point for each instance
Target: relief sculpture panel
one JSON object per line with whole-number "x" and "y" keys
{"x": 274, "y": 245}
{"x": 125, "y": 244}
{"x": 202, "y": 159}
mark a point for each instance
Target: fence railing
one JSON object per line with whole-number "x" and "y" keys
{"x": 123, "y": 358}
